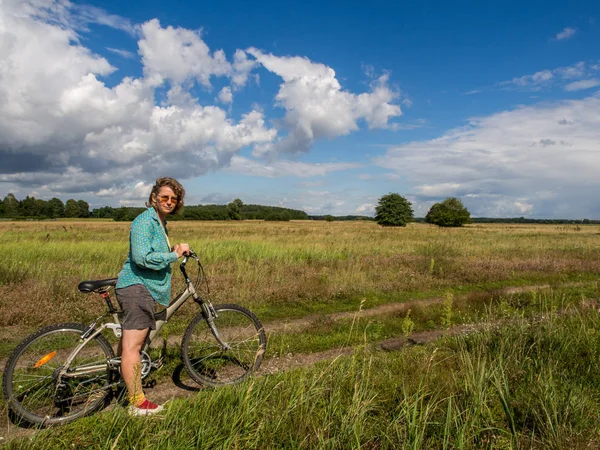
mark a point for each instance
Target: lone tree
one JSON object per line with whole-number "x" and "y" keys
{"x": 449, "y": 213}
{"x": 393, "y": 210}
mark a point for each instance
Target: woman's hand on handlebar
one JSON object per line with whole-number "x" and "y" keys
{"x": 181, "y": 249}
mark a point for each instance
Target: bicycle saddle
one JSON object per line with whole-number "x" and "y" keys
{"x": 90, "y": 286}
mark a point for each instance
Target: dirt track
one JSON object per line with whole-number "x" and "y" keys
{"x": 180, "y": 384}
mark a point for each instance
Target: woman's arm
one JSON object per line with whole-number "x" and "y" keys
{"x": 142, "y": 253}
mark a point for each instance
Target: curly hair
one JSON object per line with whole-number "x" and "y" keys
{"x": 174, "y": 185}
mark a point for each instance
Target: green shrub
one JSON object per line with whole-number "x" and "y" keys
{"x": 393, "y": 210}
{"x": 449, "y": 213}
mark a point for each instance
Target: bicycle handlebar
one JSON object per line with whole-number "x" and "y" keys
{"x": 193, "y": 255}
{"x": 190, "y": 254}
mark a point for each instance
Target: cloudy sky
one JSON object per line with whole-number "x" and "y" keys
{"x": 315, "y": 105}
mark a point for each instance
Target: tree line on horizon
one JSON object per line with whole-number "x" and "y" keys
{"x": 450, "y": 212}
{"x": 35, "y": 208}
{"x": 32, "y": 208}
{"x": 236, "y": 210}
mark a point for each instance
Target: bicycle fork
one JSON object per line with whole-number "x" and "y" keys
{"x": 207, "y": 308}
{"x": 210, "y": 314}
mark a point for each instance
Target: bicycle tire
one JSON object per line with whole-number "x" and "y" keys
{"x": 205, "y": 360}
{"x": 30, "y": 381}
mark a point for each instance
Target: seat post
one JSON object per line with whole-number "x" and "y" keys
{"x": 106, "y": 296}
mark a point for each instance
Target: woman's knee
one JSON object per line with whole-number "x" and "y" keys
{"x": 133, "y": 340}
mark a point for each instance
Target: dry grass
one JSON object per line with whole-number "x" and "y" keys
{"x": 289, "y": 268}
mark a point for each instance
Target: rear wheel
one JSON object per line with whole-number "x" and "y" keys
{"x": 208, "y": 363}
{"x": 32, "y": 384}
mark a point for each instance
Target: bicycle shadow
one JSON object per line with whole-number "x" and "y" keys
{"x": 207, "y": 372}
{"x": 178, "y": 380}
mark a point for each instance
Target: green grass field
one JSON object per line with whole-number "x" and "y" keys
{"x": 527, "y": 378}
{"x": 284, "y": 270}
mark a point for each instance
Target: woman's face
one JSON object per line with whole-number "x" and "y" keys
{"x": 165, "y": 201}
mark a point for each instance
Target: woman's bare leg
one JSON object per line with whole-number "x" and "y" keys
{"x": 131, "y": 364}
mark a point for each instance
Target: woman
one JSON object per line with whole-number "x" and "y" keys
{"x": 144, "y": 280}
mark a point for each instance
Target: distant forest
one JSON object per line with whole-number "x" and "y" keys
{"x": 331, "y": 218}
{"x": 231, "y": 211}
{"x": 32, "y": 208}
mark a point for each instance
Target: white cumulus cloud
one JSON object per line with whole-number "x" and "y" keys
{"x": 179, "y": 54}
{"x": 226, "y": 96}
{"x": 550, "y": 77}
{"x": 285, "y": 168}
{"x": 367, "y": 208}
{"x": 63, "y": 130}
{"x": 242, "y": 67}
{"x": 134, "y": 195}
{"x": 582, "y": 84}
{"x": 539, "y": 160}
{"x": 566, "y": 33}
{"x": 317, "y": 106}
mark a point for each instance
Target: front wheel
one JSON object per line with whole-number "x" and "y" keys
{"x": 205, "y": 359}
{"x": 32, "y": 384}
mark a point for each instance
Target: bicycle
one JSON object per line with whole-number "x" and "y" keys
{"x": 69, "y": 370}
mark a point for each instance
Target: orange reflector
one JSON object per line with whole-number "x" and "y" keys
{"x": 45, "y": 359}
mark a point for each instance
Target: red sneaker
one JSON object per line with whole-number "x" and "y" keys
{"x": 145, "y": 409}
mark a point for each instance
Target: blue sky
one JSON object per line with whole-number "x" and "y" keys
{"x": 321, "y": 106}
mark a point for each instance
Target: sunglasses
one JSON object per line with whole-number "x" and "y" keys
{"x": 166, "y": 198}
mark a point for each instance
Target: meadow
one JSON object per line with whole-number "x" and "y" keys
{"x": 526, "y": 377}
{"x": 287, "y": 270}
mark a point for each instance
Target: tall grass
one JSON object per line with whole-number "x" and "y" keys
{"x": 284, "y": 270}
{"x": 527, "y": 378}
{"x": 523, "y": 382}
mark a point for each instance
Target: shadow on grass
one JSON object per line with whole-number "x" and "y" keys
{"x": 187, "y": 385}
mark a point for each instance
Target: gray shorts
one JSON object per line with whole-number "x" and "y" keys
{"x": 138, "y": 307}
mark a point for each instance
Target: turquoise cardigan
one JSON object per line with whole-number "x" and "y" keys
{"x": 150, "y": 258}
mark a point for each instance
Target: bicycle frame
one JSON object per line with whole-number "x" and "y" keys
{"x": 161, "y": 319}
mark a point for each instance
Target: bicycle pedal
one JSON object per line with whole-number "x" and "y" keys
{"x": 157, "y": 364}
{"x": 149, "y": 384}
